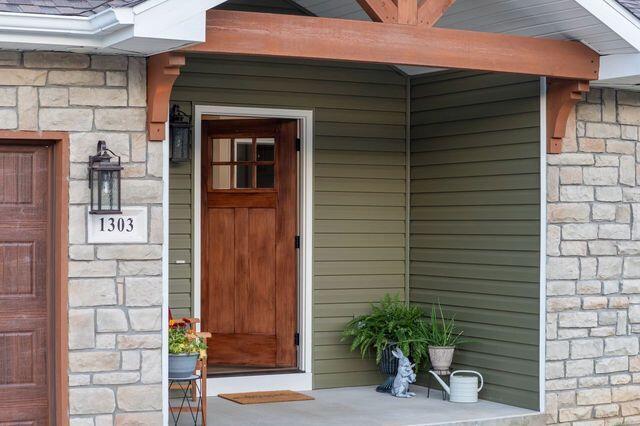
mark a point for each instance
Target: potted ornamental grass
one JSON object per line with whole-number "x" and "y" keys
{"x": 442, "y": 338}
{"x": 185, "y": 347}
{"x": 391, "y": 323}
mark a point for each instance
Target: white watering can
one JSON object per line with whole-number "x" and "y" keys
{"x": 462, "y": 388}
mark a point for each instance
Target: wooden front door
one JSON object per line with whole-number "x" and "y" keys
{"x": 26, "y": 280}
{"x": 249, "y": 263}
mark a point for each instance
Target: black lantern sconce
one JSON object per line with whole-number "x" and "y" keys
{"x": 104, "y": 181}
{"x": 179, "y": 135}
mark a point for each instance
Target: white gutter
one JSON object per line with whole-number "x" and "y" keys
{"x": 101, "y": 23}
{"x": 151, "y": 27}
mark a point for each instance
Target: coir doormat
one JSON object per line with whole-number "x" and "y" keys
{"x": 265, "y": 397}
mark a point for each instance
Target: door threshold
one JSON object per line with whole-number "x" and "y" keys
{"x": 236, "y": 371}
{"x": 295, "y": 381}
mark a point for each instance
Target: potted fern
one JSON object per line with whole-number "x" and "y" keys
{"x": 391, "y": 323}
{"x": 442, "y": 338}
{"x": 185, "y": 347}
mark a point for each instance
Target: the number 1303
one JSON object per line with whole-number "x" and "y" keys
{"x": 111, "y": 224}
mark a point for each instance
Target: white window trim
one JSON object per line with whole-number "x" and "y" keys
{"x": 293, "y": 381}
{"x": 543, "y": 245}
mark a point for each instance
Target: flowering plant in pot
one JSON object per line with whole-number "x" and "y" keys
{"x": 391, "y": 323}
{"x": 185, "y": 348}
{"x": 442, "y": 338}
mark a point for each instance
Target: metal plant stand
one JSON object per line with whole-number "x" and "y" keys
{"x": 445, "y": 376}
{"x": 184, "y": 386}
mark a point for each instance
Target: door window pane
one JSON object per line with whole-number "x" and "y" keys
{"x": 266, "y": 176}
{"x": 265, "y": 149}
{"x": 220, "y": 177}
{"x": 244, "y": 148}
{"x": 244, "y": 176}
{"x": 221, "y": 150}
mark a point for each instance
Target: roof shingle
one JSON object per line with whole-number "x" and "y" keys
{"x": 632, "y": 6}
{"x": 63, "y": 7}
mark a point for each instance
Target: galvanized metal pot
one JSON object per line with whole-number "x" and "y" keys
{"x": 441, "y": 357}
{"x": 182, "y": 366}
{"x": 388, "y": 366}
{"x": 463, "y": 385}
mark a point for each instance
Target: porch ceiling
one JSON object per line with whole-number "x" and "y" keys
{"x": 557, "y": 19}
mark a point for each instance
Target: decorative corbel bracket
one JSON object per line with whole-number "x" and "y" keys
{"x": 562, "y": 95}
{"x": 162, "y": 71}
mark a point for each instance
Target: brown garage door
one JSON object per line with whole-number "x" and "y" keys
{"x": 26, "y": 356}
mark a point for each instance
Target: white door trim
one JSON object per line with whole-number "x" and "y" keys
{"x": 293, "y": 381}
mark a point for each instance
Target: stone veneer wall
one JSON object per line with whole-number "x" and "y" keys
{"x": 115, "y": 291}
{"x": 593, "y": 265}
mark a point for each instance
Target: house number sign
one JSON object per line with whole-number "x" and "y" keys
{"x": 128, "y": 227}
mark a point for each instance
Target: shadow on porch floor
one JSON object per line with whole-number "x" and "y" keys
{"x": 362, "y": 406}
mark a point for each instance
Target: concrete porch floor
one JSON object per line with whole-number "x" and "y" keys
{"x": 360, "y": 406}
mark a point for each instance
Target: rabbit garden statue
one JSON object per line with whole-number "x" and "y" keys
{"x": 404, "y": 377}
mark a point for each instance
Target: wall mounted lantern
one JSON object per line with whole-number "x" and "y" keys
{"x": 104, "y": 181}
{"x": 179, "y": 135}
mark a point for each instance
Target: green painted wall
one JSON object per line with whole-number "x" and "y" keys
{"x": 475, "y": 220}
{"x": 359, "y": 187}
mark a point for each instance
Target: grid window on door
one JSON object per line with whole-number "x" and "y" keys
{"x": 243, "y": 163}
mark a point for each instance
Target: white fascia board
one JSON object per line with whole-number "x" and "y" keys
{"x": 170, "y": 18}
{"x": 619, "y": 66}
{"x": 619, "y": 71}
{"x": 151, "y": 27}
{"x": 163, "y": 25}
{"x": 616, "y": 17}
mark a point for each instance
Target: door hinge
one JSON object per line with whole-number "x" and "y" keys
{"x": 298, "y": 143}
{"x": 297, "y": 241}
{"x": 296, "y": 339}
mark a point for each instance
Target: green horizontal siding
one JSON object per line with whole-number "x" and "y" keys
{"x": 359, "y": 186}
{"x": 475, "y": 220}
{"x": 180, "y": 237}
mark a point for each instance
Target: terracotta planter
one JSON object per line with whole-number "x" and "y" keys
{"x": 441, "y": 357}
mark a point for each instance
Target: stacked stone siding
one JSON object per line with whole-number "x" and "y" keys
{"x": 593, "y": 265}
{"x": 115, "y": 291}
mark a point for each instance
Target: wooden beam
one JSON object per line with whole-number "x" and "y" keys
{"x": 562, "y": 95}
{"x": 408, "y": 12}
{"x": 380, "y": 10}
{"x": 248, "y": 33}
{"x": 162, "y": 71}
{"x": 430, "y": 11}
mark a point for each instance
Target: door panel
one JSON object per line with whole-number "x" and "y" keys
{"x": 222, "y": 271}
{"x": 258, "y": 315}
{"x": 249, "y": 266}
{"x": 244, "y": 349}
{"x": 25, "y": 284}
